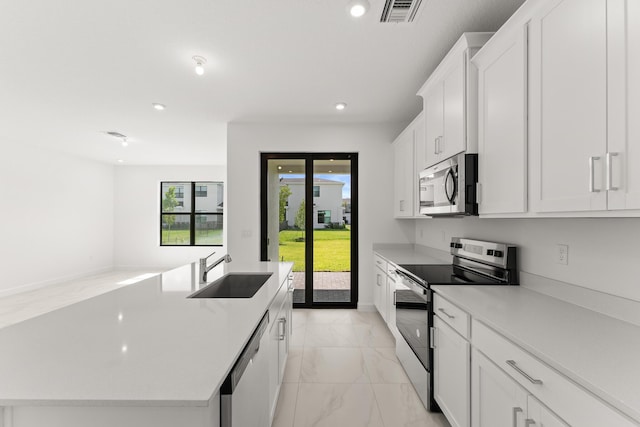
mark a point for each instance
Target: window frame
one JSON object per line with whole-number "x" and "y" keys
{"x": 192, "y": 213}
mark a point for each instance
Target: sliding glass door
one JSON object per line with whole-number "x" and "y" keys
{"x": 309, "y": 217}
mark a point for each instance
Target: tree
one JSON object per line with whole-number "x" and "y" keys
{"x": 300, "y": 217}
{"x": 168, "y": 205}
{"x": 285, "y": 192}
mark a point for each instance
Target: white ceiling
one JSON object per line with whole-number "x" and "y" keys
{"x": 72, "y": 69}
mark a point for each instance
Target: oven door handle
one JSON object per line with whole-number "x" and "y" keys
{"x": 411, "y": 283}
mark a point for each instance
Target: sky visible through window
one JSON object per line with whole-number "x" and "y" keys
{"x": 346, "y": 189}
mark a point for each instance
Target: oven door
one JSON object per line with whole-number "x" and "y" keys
{"x": 412, "y": 307}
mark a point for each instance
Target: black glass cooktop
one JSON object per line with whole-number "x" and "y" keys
{"x": 446, "y": 274}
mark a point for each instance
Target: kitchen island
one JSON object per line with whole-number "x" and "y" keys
{"x": 144, "y": 354}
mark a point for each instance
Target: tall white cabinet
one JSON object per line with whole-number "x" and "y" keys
{"x": 405, "y": 202}
{"x": 502, "y": 122}
{"x": 450, "y": 101}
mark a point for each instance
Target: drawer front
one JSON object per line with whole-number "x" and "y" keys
{"x": 570, "y": 401}
{"x": 380, "y": 262}
{"x": 451, "y": 315}
{"x": 276, "y": 304}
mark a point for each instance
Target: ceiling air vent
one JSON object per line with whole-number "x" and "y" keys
{"x": 400, "y": 10}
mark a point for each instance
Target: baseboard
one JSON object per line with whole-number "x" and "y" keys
{"x": 366, "y": 306}
{"x": 45, "y": 283}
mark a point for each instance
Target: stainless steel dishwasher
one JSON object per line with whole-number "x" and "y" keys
{"x": 244, "y": 395}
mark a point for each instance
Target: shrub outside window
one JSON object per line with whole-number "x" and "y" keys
{"x": 191, "y": 213}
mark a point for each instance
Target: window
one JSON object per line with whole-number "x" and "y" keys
{"x": 316, "y": 191}
{"x": 191, "y": 221}
{"x": 324, "y": 217}
{"x": 201, "y": 191}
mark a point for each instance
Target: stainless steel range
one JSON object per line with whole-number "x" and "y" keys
{"x": 475, "y": 262}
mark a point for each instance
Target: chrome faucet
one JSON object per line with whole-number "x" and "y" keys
{"x": 204, "y": 269}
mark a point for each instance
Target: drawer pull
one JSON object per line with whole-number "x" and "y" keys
{"x": 523, "y": 373}
{"x": 529, "y": 422}
{"x": 446, "y": 314}
{"x": 516, "y": 411}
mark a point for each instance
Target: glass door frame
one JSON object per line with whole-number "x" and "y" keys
{"x": 309, "y": 174}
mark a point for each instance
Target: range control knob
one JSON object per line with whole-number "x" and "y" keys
{"x": 498, "y": 254}
{"x": 490, "y": 252}
{"x": 458, "y": 245}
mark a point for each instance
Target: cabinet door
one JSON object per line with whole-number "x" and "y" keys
{"x": 539, "y": 416}
{"x": 391, "y": 298}
{"x": 379, "y": 297}
{"x": 624, "y": 105}
{"x": 502, "y": 124}
{"x": 453, "y": 140}
{"x": 403, "y": 174}
{"x": 568, "y": 105}
{"x": 420, "y": 147}
{"x": 434, "y": 123}
{"x": 496, "y": 399}
{"x": 274, "y": 372}
{"x": 451, "y": 381}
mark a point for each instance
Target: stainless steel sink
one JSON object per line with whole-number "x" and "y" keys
{"x": 233, "y": 285}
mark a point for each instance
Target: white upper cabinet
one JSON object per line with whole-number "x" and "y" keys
{"x": 623, "y": 173}
{"x": 405, "y": 175}
{"x": 502, "y": 122}
{"x": 450, "y": 103}
{"x": 577, "y": 129}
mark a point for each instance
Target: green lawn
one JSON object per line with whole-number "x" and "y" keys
{"x": 181, "y": 237}
{"x": 331, "y": 250}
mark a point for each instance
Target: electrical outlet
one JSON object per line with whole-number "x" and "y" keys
{"x": 562, "y": 254}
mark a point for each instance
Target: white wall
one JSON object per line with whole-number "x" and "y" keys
{"x": 371, "y": 141}
{"x": 137, "y": 215}
{"x": 603, "y": 252}
{"x": 57, "y": 217}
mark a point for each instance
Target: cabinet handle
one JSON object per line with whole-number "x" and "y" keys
{"x": 529, "y": 422}
{"x": 378, "y": 281}
{"x": 440, "y": 144}
{"x": 281, "y": 335}
{"x": 610, "y": 187}
{"x": 516, "y": 411}
{"x": 394, "y": 297}
{"x": 441, "y": 310}
{"x": 513, "y": 364}
{"x": 435, "y": 145}
{"x": 401, "y": 205}
{"x": 432, "y": 337}
{"x": 592, "y": 188}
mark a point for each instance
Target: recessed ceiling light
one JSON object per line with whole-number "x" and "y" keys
{"x": 290, "y": 171}
{"x": 120, "y": 161}
{"x": 330, "y": 171}
{"x": 200, "y": 61}
{"x": 341, "y": 106}
{"x": 331, "y": 160}
{"x": 125, "y": 143}
{"x": 279, "y": 167}
{"x": 357, "y": 8}
{"x": 159, "y": 107}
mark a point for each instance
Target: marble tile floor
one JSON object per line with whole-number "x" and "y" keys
{"x": 25, "y": 305}
{"x": 342, "y": 371}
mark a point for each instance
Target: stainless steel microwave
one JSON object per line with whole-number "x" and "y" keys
{"x": 449, "y": 187}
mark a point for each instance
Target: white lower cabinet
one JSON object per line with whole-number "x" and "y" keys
{"x": 451, "y": 355}
{"x": 482, "y": 379}
{"x": 498, "y": 400}
{"x": 280, "y": 315}
{"x": 384, "y": 288}
{"x": 379, "y": 292}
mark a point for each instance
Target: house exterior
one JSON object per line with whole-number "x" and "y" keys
{"x": 327, "y": 201}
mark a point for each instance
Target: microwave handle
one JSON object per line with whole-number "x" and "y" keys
{"x": 451, "y": 175}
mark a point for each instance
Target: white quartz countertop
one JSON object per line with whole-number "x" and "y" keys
{"x": 596, "y": 351}
{"x": 140, "y": 345}
{"x": 411, "y": 254}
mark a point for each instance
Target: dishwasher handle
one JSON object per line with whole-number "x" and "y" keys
{"x": 247, "y": 355}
